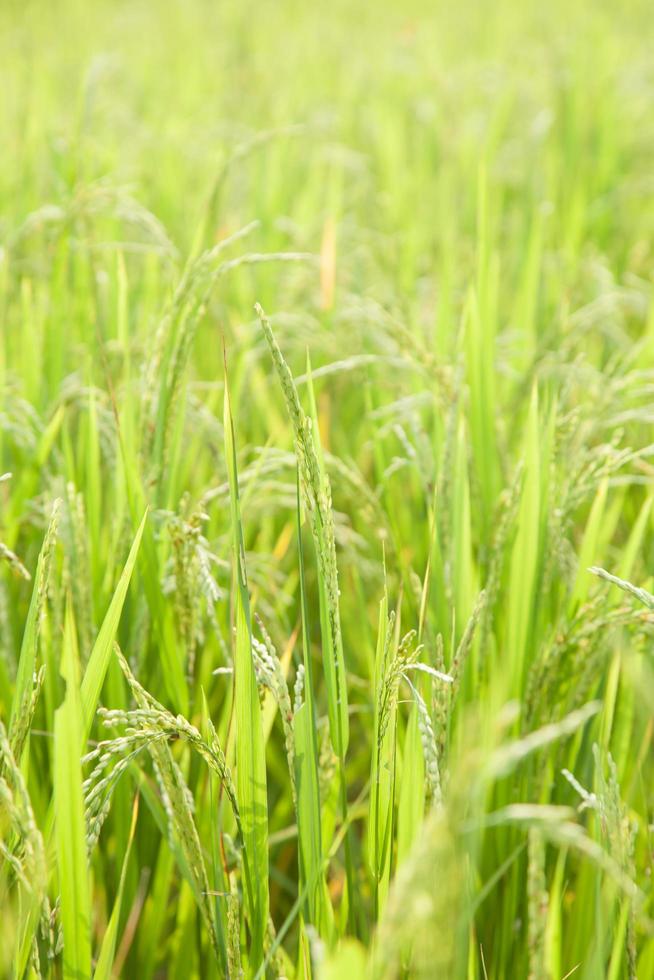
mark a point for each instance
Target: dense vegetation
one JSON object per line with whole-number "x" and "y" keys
{"x": 319, "y": 655}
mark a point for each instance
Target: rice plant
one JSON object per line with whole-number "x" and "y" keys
{"x": 326, "y": 485}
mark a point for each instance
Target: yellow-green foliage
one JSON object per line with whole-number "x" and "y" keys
{"x": 326, "y": 631}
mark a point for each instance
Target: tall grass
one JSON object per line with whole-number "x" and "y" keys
{"x": 326, "y": 631}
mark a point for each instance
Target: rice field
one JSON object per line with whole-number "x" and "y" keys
{"x": 326, "y": 485}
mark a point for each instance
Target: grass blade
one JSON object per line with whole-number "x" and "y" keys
{"x": 319, "y": 911}
{"x": 96, "y": 668}
{"x": 250, "y": 747}
{"x": 70, "y": 826}
{"x": 104, "y": 965}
